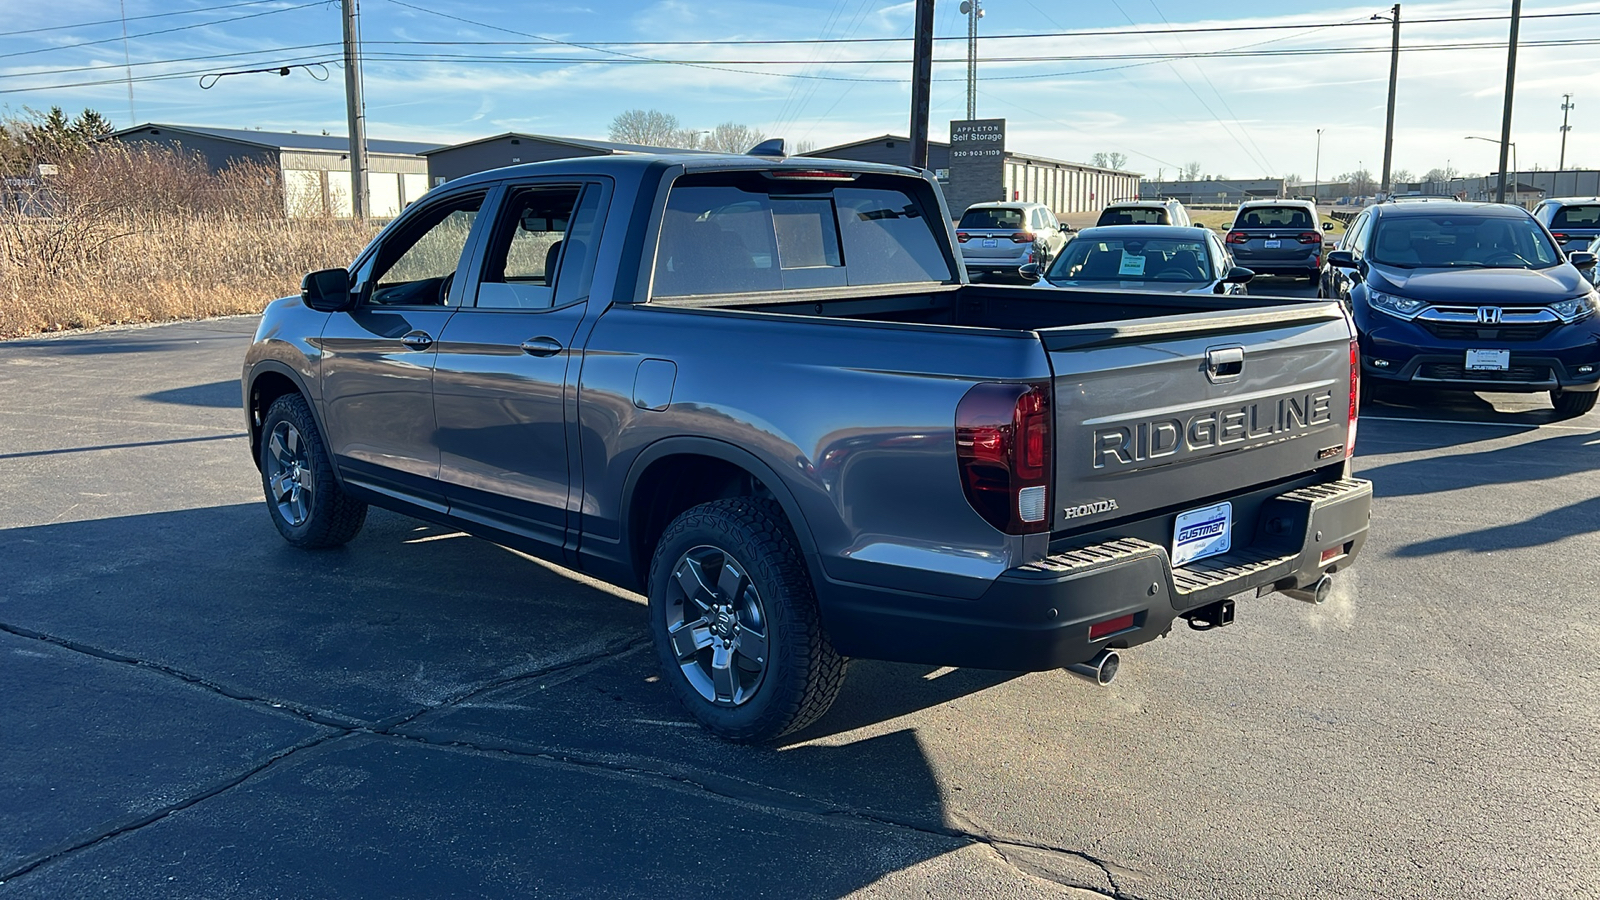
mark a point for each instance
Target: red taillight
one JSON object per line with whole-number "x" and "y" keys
{"x": 1022, "y": 237}
{"x": 1311, "y": 237}
{"x": 1355, "y": 398}
{"x": 963, "y": 237}
{"x": 1110, "y": 626}
{"x": 1558, "y": 236}
{"x": 811, "y": 175}
{"x": 1003, "y": 447}
{"x": 1236, "y": 237}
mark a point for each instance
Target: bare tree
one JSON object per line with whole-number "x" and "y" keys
{"x": 1099, "y": 159}
{"x": 650, "y": 127}
{"x": 1191, "y": 171}
{"x": 801, "y": 148}
{"x": 1116, "y": 159}
{"x": 1401, "y": 176}
{"x": 1360, "y": 181}
{"x": 1444, "y": 175}
{"x": 732, "y": 137}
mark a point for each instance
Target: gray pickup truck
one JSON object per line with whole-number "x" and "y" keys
{"x": 761, "y": 391}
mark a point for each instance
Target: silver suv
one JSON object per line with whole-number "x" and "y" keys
{"x": 1573, "y": 221}
{"x": 1000, "y": 238}
{"x": 1277, "y": 237}
{"x": 1144, "y": 212}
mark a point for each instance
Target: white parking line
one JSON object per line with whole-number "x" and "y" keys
{"x": 1469, "y": 422}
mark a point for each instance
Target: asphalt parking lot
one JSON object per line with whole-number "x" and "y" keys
{"x": 193, "y": 709}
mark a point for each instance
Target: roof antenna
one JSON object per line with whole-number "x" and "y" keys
{"x": 769, "y": 147}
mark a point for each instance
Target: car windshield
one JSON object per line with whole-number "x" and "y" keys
{"x": 1131, "y": 260}
{"x": 1285, "y": 217}
{"x": 993, "y": 217}
{"x": 1456, "y": 241}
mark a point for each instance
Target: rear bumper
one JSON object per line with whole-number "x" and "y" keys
{"x": 1037, "y": 617}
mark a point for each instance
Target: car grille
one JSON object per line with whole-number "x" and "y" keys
{"x": 1453, "y": 372}
{"x": 1455, "y": 331}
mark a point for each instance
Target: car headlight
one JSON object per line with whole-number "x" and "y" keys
{"x": 1578, "y": 307}
{"x": 1400, "y": 307}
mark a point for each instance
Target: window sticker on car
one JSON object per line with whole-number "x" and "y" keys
{"x": 1132, "y": 264}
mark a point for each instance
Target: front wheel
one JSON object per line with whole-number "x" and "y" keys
{"x": 735, "y": 624}
{"x": 1572, "y": 404}
{"x": 304, "y": 499}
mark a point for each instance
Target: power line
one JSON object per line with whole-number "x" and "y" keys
{"x": 113, "y": 40}
{"x": 1140, "y": 60}
{"x": 181, "y": 12}
{"x": 162, "y": 62}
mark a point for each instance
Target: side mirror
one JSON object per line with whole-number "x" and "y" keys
{"x": 1581, "y": 259}
{"x": 1327, "y": 226}
{"x": 1341, "y": 259}
{"x": 1030, "y": 271}
{"x": 1065, "y": 228}
{"x": 327, "y": 290}
{"x": 1238, "y": 275}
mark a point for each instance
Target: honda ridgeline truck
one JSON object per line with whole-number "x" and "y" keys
{"x": 761, "y": 391}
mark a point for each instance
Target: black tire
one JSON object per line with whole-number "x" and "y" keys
{"x": 304, "y": 499}
{"x": 779, "y": 669}
{"x": 1572, "y": 404}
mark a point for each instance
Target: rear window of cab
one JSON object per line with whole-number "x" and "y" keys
{"x": 1287, "y": 217}
{"x": 736, "y": 233}
{"x": 1576, "y": 217}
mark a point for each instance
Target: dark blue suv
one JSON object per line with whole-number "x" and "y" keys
{"x": 1468, "y": 296}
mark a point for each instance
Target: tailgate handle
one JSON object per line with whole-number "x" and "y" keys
{"x": 1224, "y": 364}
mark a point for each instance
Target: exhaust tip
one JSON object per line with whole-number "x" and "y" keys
{"x": 1316, "y": 593}
{"x": 1101, "y": 670}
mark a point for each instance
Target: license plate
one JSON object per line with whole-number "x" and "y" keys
{"x": 991, "y": 242}
{"x": 1200, "y": 533}
{"x": 1488, "y": 360}
{"x": 1273, "y": 245}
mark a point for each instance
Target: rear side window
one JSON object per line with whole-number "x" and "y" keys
{"x": 737, "y": 233}
{"x": 1576, "y": 217}
{"x": 993, "y": 218}
{"x": 1286, "y": 217}
{"x": 1133, "y": 215}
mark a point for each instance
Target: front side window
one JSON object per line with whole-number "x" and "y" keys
{"x": 416, "y": 266}
{"x": 746, "y": 233}
{"x": 1461, "y": 242}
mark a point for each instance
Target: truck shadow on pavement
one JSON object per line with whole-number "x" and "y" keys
{"x": 1539, "y": 460}
{"x": 217, "y": 394}
{"x": 450, "y": 718}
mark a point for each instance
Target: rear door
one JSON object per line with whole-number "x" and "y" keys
{"x": 500, "y": 383}
{"x": 1275, "y": 234}
{"x": 985, "y": 233}
{"x": 1171, "y": 413}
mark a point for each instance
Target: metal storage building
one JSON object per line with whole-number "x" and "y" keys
{"x": 315, "y": 167}
{"x": 513, "y": 148}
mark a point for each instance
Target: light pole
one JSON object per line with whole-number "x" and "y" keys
{"x": 1566, "y": 105}
{"x": 1511, "y": 89}
{"x": 973, "y": 10}
{"x": 1394, "y": 71}
{"x": 1513, "y": 145}
{"x": 1316, "y": 168}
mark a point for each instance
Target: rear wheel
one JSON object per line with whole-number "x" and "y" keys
{"x": 734, "y": 620}
{"x": 305, "y": 501}
{"x": 1571, "y": 404}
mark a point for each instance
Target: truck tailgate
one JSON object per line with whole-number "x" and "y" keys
{"x": 1163, "y": 413}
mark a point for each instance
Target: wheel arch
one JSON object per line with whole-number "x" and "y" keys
{"x": 268, "y": 381}
{"x": 675, "y": 474}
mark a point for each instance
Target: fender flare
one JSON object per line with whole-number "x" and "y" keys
{"x": 729, "y": 453}
{"x": 278, "y": 367}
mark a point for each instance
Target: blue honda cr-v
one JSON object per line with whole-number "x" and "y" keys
{"x": 1468, "y": 296}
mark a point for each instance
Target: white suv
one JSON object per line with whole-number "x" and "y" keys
{"x": 1000, "y": 238}
{"x": 1144, "y": 212}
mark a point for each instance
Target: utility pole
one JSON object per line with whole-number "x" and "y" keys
{"x": 1316, "y": 169}
{"x": 1394, "y": 72}
{"x": 973, "y": 10}
{"x": 921, "y": 83}
{"x": 1566, "y": 106}
{"x": 358, "y": 116}
{"x": 1511, "y": 85}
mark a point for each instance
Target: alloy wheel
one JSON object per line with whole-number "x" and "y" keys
{"x": 289, "y": 481}
{"x": 717, "y": 626}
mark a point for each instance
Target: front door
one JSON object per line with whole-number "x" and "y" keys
{"x": 501, "y": 373}
{"x": 377, "y": 359}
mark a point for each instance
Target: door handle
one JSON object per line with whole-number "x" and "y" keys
{"x": 541, "y": 346}
{"x": 418, "y": 340}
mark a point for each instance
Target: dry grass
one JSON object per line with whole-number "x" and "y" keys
{"x": 134, "y": 236}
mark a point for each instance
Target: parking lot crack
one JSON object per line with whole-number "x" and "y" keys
{"x": 316, "y": 717}
{"x": 123, "y": 827}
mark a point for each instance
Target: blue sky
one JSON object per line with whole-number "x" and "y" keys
{"x": 1238, "y": 117}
